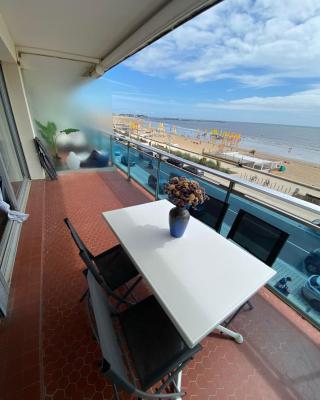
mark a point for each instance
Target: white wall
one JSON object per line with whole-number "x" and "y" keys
{"x": 58, "y": 92}
{"x": 19, "y": 104}
{"x": 16, "y": 92}
{"x": 7, "y": 47}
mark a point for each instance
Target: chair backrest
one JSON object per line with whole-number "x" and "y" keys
{"x": 211, "y": 212}
{"x": 113, "y": 364}
{"x": 81, "y": 246}
{"x": 260, "y": 238}
{"x": 92, "y": 268}
{"x": 85, "y": 254}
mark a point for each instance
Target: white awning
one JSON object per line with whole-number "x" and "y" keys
{"x": 254, "y": 162}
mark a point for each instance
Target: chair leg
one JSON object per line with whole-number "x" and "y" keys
{"x": 251, "y": 306}
{"x": 115, "y": 391}
{"x": 172, "y": 378}
{"x": 84, "y": 296}
{"x": 237, "y": 312}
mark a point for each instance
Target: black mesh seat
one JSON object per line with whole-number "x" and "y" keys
{"x": 154, "y": 343}
{"x": 112, "y": 268}
{"x": 259, "y": 238}
{"x": 211, "y": 212}
{"x": 156, "y": 351}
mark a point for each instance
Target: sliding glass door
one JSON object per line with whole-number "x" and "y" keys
{"x": 13, "y": 186}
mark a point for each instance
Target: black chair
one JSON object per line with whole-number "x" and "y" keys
{"x": 259, "y": 238}
{"x": 147, "y": 346}
{"x": 112, "y": 268}
{"x": 211, "y": 212}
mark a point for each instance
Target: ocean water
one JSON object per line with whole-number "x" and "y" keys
{"x": 285, "y": 141}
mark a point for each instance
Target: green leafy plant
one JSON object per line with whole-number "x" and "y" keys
{"x": 50, "y": 135}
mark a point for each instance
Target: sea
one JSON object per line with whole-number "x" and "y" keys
{"x": 286, "y": 141}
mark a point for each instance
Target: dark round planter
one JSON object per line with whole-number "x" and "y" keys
{"x": 178, "y": 221}
{"x": 312, "y": 262}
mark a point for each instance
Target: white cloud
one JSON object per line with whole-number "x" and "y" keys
{"x": 146, "y": 98}
{"x": 304, "y": 101}
{"x": 137, "y": 99}
{"x": 257, "y": 43}
{"x": 118, "y": 83}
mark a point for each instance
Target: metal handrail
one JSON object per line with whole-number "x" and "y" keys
{"x": 235, "y": 180}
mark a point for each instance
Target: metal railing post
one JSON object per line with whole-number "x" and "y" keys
{"x": 128, "y": 160}
{"x": 158, "y": 177}
{"x": 111, "y": 152}
{"x": 230, "y": 188}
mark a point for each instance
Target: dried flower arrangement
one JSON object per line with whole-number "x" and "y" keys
{"x": 183, "y": 192}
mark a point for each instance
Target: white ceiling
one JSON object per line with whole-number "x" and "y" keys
{"x": 85, "y": 27}
{"x": 94, "y": 28}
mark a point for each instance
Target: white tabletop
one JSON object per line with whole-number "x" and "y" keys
{"x": 199, "y": 279}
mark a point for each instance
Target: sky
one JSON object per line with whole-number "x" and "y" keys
{"x": 242, "y": 60}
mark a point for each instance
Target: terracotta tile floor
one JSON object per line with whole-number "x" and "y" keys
{"x": 46, "y": 346}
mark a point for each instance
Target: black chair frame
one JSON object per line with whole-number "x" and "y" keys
{"x": 283, "y": 236}
{"x": 119, "y": 299}
{"x": 223, "y": 209}
{"x": 88, "y": 260}
{"x": 102, "y": 319}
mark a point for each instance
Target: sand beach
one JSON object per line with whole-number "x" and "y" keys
{"x": 300, "y": 172}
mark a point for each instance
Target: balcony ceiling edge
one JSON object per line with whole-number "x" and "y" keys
{"x": 173, "y": 14}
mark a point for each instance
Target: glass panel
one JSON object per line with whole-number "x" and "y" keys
{"x": 281, "y": 205}
{"x": 145, "y": 168}
{"x": 9, "y": 154}
{"x": 119, "y": 155}
{"x": 298, "y": 261}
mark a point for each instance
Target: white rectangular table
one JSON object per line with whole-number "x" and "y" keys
{"x": 199, "y": 279}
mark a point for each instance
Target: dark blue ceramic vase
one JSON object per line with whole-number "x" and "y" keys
{"x": 178, "y": 221}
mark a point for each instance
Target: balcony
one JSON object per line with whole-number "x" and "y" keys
{"x": 48, "y": 78}
{"x": 46, "y": 344}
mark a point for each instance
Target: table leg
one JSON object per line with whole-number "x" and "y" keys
{"x": 236, "y": 336}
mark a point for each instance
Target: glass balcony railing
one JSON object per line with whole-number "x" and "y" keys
{"x": 299, "y": 259}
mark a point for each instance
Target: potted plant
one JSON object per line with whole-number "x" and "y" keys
{"x": 183, "y": 193}
{"x": 50, "y": 135}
